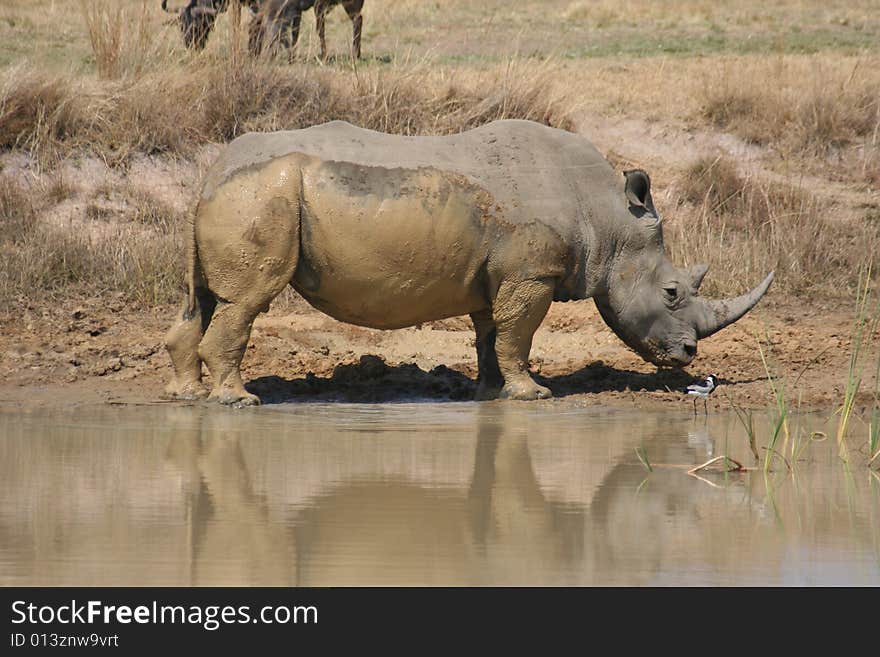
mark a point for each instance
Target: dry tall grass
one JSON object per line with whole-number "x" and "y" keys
{"x": 746, "y": 227}
{"x": 138, "y": 254}
{"x": 816, "y": 113}
{"x": 179, "y": 109}
{"x": 820, "y": 115}
{"x": 813, "y": 117}
{"x": 123, "y": 41}
{"x": 151, "y": 100}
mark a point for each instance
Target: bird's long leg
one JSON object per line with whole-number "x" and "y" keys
{"x": 705, "y": 408}
{"x": 695, "y": 407}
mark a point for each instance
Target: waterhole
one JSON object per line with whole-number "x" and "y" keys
{"x": 424, "y": 494}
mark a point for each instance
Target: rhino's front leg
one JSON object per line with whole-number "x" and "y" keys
{"x": 518, "y": 310}
{"x": 489, "y": 379}
{"x": 222, "y": 349}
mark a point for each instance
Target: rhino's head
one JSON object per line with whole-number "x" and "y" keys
{"x": 653, "y": 306}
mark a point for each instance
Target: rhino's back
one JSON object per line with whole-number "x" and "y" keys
{"x": 399, "y": 230}
{"x": 531, "y": 171}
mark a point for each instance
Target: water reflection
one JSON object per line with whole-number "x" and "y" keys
{"x": 439, "y": 494}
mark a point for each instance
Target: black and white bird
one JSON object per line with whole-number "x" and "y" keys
{"x": 702, "y": 390}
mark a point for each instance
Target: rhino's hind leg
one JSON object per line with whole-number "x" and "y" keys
{"x": 182, "y": 342}
{"x": 489, "y": 380}
{"x": 247, "y": 235}
{"x": 222, "y": 349}
{"x": 518, "y": 310}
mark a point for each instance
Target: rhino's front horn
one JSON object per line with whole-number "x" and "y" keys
{"x": 715, "y": 315}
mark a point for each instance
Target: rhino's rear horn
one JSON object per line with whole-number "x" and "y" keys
{"x": 696, "y": 274}
{"x": 712, "y": 316}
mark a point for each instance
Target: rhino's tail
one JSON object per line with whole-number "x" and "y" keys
{"x": 199, "y": 300}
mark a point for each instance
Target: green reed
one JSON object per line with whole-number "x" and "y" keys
{"x": 746, "y": 419}
{"x": 780, "y": 422}
{"x": 643, "y": 457}
{"x": 874, "y": 424}
{"x": 862, "y": 328}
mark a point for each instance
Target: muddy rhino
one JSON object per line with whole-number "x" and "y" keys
{"x": 388, "y": 231}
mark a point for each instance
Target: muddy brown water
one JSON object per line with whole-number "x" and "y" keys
{"x": 419, "y": 493}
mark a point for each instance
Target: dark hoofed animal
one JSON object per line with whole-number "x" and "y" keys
{"x": 274, "y": 23}
{"x": 277, "y": 23}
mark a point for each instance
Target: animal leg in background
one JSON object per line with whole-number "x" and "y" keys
{"x": 255, "y": 35}
{"x": 320, "y": 13}
{"x": 353, "y": 9}
{"x": 288, "y": 25}
{"x": 273, "y": 27}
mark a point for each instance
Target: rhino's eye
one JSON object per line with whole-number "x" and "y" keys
{"x": 671, "y": 293}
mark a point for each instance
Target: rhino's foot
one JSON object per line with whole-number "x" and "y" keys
{"x": 486, "y": 392}
{"x": 234, "y": 397}
{"x": 525, "y": 390}
{"x": 189, "y": 391}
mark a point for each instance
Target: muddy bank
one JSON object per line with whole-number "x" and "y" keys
{"x": 104, "y": 350}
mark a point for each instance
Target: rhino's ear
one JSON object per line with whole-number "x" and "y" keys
{"x": 638, "y": 192}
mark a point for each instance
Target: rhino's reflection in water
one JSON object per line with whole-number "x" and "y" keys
{"x": 445, "y": 494}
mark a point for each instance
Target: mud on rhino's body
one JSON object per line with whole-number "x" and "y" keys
{"x": 388, "y": 231}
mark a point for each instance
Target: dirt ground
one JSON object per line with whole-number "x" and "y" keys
{"x": 100, "y": 352}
